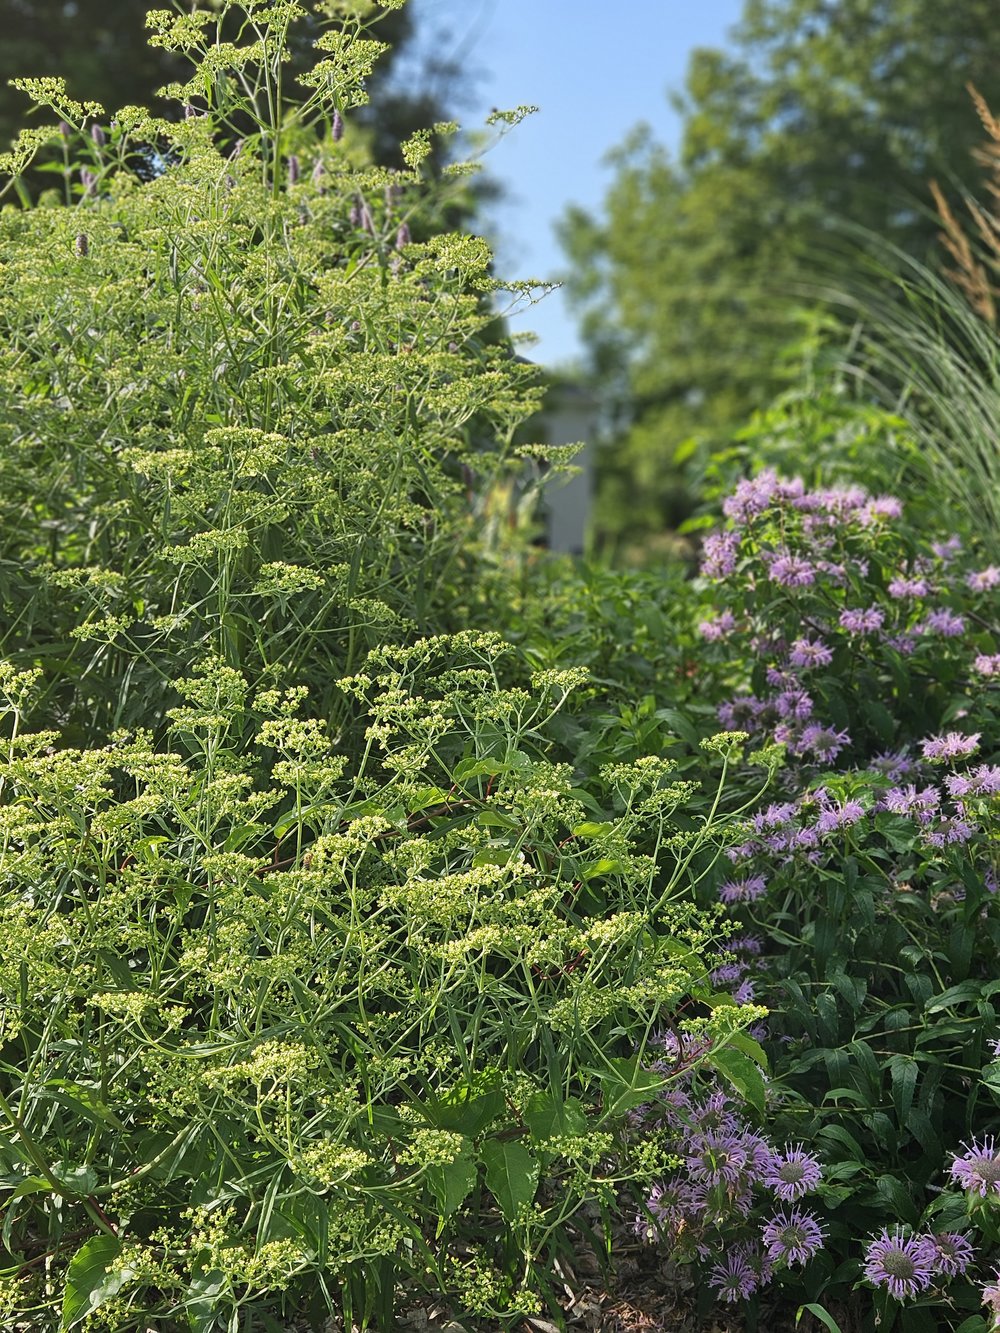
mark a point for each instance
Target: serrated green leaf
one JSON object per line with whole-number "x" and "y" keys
{"x": 547, "y": 1115}
{"x": 742, "y": 1073}
{"x": 451, "y": 1184}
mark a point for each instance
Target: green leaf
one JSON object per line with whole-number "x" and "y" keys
{"x": 202, "y": 1301}
{"x": 88, "y": 1282}
{"x": 591, "y": 829}
{"x": 478, "y": 768}
{"x": 628, "y": 1085}
{"x": 425, "y": 796}
{"x": 896, "y": 1195}
{"x": 964, "y": 993}
{"x": 548, "y": 1116}
{"x": 742, "y": 1073}
{"x": 903, "y": 1071}
{"x": 462, "y": 1113}
{"x": 749, "y": 1047}
{"x": 511, "y": 1174}
{"x": 605, "y": 866}
{"x": 819, "y": 1313}
{"x": 76, "y": 1179}
{"x": 451, "y": 1184}
{"x": 492, "y": 856}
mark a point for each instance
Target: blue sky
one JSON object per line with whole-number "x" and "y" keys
{"x": 594, "y": 70}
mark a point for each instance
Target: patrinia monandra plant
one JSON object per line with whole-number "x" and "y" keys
{"x": 315, "y": 996}
{"x": 277, "y": 1032}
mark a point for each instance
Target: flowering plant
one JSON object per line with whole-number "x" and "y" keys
{"x": 869, "y": 883}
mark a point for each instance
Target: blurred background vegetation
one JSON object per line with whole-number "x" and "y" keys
{"x": 698, "y": 284}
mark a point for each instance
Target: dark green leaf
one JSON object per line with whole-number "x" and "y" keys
{"x": 88, "y": 1282}
{"x": 511, "y": 1174}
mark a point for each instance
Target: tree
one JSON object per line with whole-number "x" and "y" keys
{"x": 693, "y": 283}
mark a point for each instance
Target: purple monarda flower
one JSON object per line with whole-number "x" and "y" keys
{"x": 862, "y": 622}
{"x": 743, "y": 890}
{"x": 717, "y": 1159}
{"x": 903, "y": 1266}
{"x": 754, "y": 495}
{"x": 792, "y": 1237}
{"x": 733, "y": 1279}
{"x": 716, "y": 629}
{"x": 987, "y": 665}
{"x": 908, "y": 587}
{"x": 795, "y": 704}
{"x": 833, "y": 817}
{"x": 883, "y": 506}
{"x": 983, "y": 579}
{"x": 791, "y": 571}
{"x": 978, "y": 1170}
{"x": 792, "y": 1173}
{"x": 983, "y": 780}
{"x": 954, "y": 1253}
{"x": 825, "y": 743}
{"x": 952, "y": 745}
{"x": 749, "y": 944}
{"x": 943, "y": 622}
{"x": 719, "y": 552}
{"x": 810, "y": 653}
{"x": 947, "y": 550}
{"x": 745, "y": 992}
{"x": 948, "y": 832}
{"x": 908, "y": 801}
{"x": 991, "y": 1294}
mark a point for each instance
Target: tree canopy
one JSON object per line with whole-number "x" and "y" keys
{"x": 694, "y": 280}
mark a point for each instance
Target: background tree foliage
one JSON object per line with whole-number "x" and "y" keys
{"x": 694, "y": 281}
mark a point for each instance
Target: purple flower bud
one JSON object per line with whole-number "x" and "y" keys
{"x": 236, "y": 149}
{"x": 337, "y": 127}
{"x": 354, "y": 216}
{"x": 190, "y": 112}
{"x": 64, "y": 129}
{"x": 402, "y": 236}
{"x": 293, "y": 169}
{"x": 81, "y": 246}
{"x": 367, "y": 221}
{"x": 98, "y": 136}
{"x": 317, "y": 172}
{"x": 89, "y": 182}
